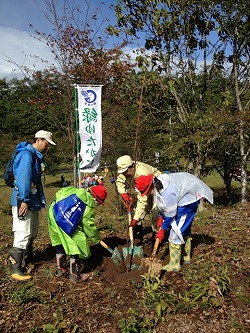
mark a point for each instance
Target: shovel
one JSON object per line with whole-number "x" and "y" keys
{"x": 154, "y": 264}
{"x": 132, "y": 253}
{"x": 116, "y": 257}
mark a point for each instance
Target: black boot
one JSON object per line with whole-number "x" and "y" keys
{"x": 28, "y": 254}
{"x": 74, "y": 269}
{"x": 16, "y": 260}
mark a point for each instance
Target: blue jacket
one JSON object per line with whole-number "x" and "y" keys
{"x": 27, "y": 171}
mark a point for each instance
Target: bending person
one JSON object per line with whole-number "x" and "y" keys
{"x": 177, "y": 196}
{"x": 131, "y": 170}
{"x": 71, "y": 223}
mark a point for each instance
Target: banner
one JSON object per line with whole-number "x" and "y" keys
{"x": 90, "y": 127}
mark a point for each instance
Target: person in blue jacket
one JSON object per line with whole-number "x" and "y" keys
{"x": 27, "y": 200}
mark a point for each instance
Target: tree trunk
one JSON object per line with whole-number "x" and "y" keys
{"x": 243, "y": 152}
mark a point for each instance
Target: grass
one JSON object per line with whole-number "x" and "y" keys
{"x": 219, "y": 265}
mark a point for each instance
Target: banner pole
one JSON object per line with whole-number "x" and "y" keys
{"x": 77, "y": 176}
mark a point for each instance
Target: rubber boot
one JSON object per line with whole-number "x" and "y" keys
{"x": 28, "y": 254}
{"x": 187, "y": 249}
{"x": 175, "y": 258}
{"x": 16, "y": 259}
{"x": 61, "y": 264}
{"x": 75, "y": 275}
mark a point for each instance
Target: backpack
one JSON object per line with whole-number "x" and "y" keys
{"x": 68, "y": 213}
{"x": 8, "y": 173}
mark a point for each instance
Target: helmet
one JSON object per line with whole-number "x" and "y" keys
{"x": 123, "y": 163}
{"x": 144, "y": 183}
{"x": 99, "y": 192}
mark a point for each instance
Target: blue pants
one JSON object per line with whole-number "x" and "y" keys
{"x": 182, "y": 223}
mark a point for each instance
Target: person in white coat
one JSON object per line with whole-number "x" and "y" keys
{"x": 177, "y": 196}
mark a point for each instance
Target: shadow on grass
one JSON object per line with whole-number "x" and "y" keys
{"x": 56, "y": 184}
{"x": 222, "y": 199}
{"x": 198, "y": 239}
{"x": 46, "y": 255}
{"x": 98, "y": 253}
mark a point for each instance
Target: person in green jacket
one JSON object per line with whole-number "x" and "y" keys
{"x": 71, "y": 222}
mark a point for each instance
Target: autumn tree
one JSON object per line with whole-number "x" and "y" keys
{"x": 233, "y": 21}
{"x": 81, "y": 56}
{"x": 186, "y": 51}
{"x": 174, "y": 31}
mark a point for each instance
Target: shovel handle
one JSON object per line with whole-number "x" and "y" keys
{"x": 106, "y": 247}
{"x": 129, "y": 218}
{"x": 131, "y": 237}
{"x": 157, "y": 242}
{"x": 130, "y": 230}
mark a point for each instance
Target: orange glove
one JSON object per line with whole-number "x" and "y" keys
{"x": 160, "y": 234}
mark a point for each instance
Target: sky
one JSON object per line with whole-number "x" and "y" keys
{"x": 19, "y": 47}
{"x": 18, "y": 43}
{"x": 17, "y": 40}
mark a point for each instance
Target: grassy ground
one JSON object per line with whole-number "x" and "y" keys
{"x": 212, "y": 294}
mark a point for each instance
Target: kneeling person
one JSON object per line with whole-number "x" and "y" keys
{"x": 71, "y": 223}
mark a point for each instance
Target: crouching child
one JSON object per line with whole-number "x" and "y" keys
{"x": 71, "y": 224}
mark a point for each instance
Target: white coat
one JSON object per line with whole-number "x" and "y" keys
{"x": 180, "y": 189}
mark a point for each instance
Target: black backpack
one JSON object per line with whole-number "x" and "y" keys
{"x": 8, "y": 174}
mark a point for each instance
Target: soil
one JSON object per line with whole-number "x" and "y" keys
{"x": 110, "y": 296}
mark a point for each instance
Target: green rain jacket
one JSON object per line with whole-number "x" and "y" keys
{"x": 78, "y": 242}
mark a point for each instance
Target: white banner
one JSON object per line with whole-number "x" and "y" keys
{"x": 90, "y": 127}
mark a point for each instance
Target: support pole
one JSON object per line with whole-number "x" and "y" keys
{"x": 76, "y": 160}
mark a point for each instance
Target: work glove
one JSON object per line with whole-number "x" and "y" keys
{"x": 126, "y": 199}
{"x": 160, "y": 221}
{"x": 133, "y": 223}
{"x": 160, "y": 235}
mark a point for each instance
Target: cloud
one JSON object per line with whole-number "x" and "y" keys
{"x": 20, "y": 48}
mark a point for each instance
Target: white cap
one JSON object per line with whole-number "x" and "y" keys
{"x": 45, "y": 135}
{"x": 123, "y": 163}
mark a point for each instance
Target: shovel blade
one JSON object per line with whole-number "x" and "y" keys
{"x": 118, "y": 260}
{"x": 135, "y": 251}
{"x": 136, "y": 254}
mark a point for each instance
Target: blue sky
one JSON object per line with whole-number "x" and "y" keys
{"x": 18, "y": 42}
{"x": 17, "y": 37}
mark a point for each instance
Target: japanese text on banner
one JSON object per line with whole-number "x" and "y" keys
{"x": 90, "y": 127}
